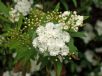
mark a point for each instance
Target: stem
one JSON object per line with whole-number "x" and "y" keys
{"x": 24, "y": 73}
{"x": 1, "y": 73}
{"x": 58, "y": 68}
{"x": 63, "y": 73}
{"x": 55, "y": 70}
{"x": 47, "y": 70}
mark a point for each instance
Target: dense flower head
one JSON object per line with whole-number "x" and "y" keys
{"x": 52, "y": 40}
{"x": 14, "y": 15}
{"x": 23, "y": 6}
{"x": 72, "y": 20}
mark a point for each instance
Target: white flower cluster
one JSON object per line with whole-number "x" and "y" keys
{"x": 74, "y": 20}
{"x": 11, "y": 73}
{"x": 90, "y": 57}
{"x": 21, "y": 6}
{"x": 89, "y": 33}
{"x": 51, "y": 40}
{"x": 14, "y": 15}
{"x": 98, "y": 27}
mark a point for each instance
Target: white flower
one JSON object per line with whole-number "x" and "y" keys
{"x": 88, "y": 37}
{"x": 11, "y": 73}
{"x": 66, "y": 13}
{"x": 52, "y": 73}
{"x": 6, "y": 73}
{"x": 17, "y": 74}
{"x": 23, "y": 6}
{"x": 92, "y": 74}
{"x": 51, "y": 39}
{"x": 79, "y": 20}
{"x": 14, "y": 55}
{"x": 90, "y": 57}
{"x": 1, "y": 39}
{"x": 100, "y": 72}
{"x": 39, "y": 6}
{"x": 89, "y": 34}
{"x": 72, "y": 20}
{"x": 28, "y": 74}
{"x": 34, "y": 65}
{"x": 98, "y": 27}
{"x": 79, "y": 68}
{"x": 15, "y": 1}
{"x": 14, "y": 15}
{"x": 88, "y": 27}
{"x": 98, "y": 50}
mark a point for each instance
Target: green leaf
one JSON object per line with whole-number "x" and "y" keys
{"x": 75, "y": 3}
{"x": 4, "y": 9}
{"x": 72, "y": 47}
{"x": 73, "y": 67}
{"x": 24, "y": 53}
{"x": 77, "y": 34}
{"x": 57, "y": 7}
{"x": 86, "y": 17}
{"x": 64, "y": 4}
{"x": 59, "y": 68}
{"x": 4, "y": 19}
{"x": 20, "y": 22}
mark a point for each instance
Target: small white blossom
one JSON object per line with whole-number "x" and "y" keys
{"x": 74, "y": 20}
{"x": 79, "y": 68}
{"x": 66, "y": 13}
{"x": 14, "y": 15}
{"x": 28, "y": 74}
{"x": 98, "y": 27}
{"x": 7, "y": 73}
{"x": 34, "y": 65}
{"x": 52, "y": 73}
{"x": 100, "y": 72}
{"x": 14, "y": 55}
{"x": 90, "y": 57}
{"x": 39, "y": 6}
{"x": 17, "y": 74}
{"x": 23, "y": 6}
{"x": 88, "y": 37}
{"x": 98, "y": 50}
{"x": 51, "y": 39}
{"x": 15, "y": 1}
{"x": 11, "y": 73}
{"x": 79, "y": 20}
{"x": 92, "y": 74}
{"x": 89, "y": 34}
